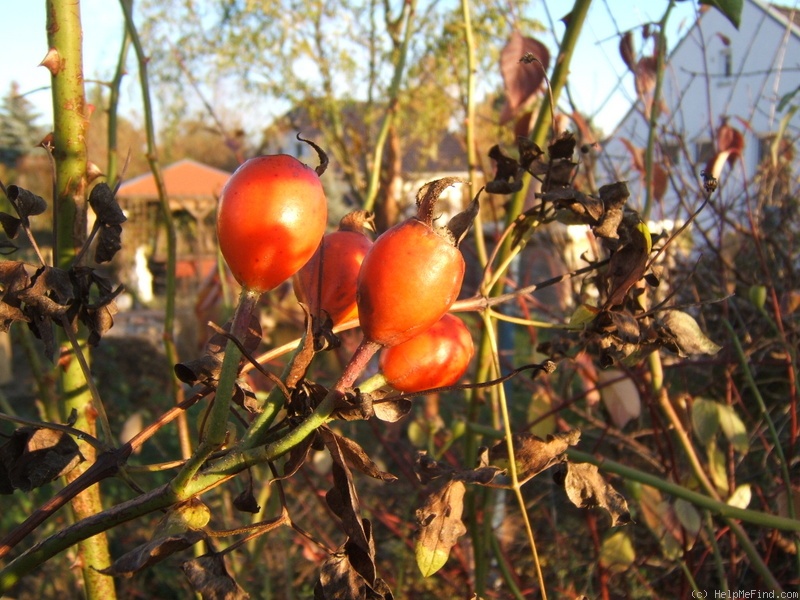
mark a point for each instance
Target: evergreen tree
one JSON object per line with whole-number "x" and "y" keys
{"x": 19, "y": 132}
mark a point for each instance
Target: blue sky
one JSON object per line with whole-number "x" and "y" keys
{"x": 595, "y": 74}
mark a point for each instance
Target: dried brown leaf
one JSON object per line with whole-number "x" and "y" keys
{"x": 355, "y": 456}
{"x": 210, "y": 578}
{"x": 533, "y": 454}
{"x": 685, "y": 336}
{"x": 338, "y": 580}
{"x": 429, "y": 469}
{"x": 440, "y": 526}
{"x": 626, "y": 50}
{"x": 25, "y": 202}
{"x": 586, "y": 488}
{"x": 32, "y": 457}
{"x": 153, "y": 552}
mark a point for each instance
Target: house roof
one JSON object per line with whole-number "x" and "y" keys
{"x": 786, "y": 16}
{"x": 186, "y": 178}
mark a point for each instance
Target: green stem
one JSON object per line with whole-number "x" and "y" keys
{"x": 512, "y": 463}
{"x": 64, "y": 36}
{"x": 543, "y": 120}
{"x": 217, "y": 421}
{"x": 773, "y": 432}
{"x": 112, "y": 169}
{"x": 393, "y": 93}
{"x": 714, "y": 506}
{"x": 661, "y": 53}
{"x": 152, "y": 158}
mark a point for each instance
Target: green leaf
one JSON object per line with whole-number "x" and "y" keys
{"x": 732, "y": 9}
{"x": 741, "y": 496}
{"x": 733, "y": 428}
{"x": 617, "y": 553}
{"x": 705, "y": 420}
{"x": 688, "y": 516}
{"x": 542, "y": 404}
{"x": 716, "y": 467}
{"x": 786, "y": 98}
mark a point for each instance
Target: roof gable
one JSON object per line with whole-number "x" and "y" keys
{"x": 185, "y": 178}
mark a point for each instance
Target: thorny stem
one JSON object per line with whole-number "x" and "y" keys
{"x": 69, "y": 158}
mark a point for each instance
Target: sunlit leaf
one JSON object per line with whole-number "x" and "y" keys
{"x": 440, "y": 526}
{"x": 586, "y": 488}
{"x": 689, "y": 338}
{"x": 705, "y": 420}
{"x": 620, "y": 396}
{"x": 733, "y": 428}
{"x": 616, "y": 552}
{"x": 533, "y": 454}
{"x": 741, "y": 496}
{"x": 717, "y": 467}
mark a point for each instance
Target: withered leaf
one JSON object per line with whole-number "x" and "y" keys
{"x": 614, "y": 196}
{"x": 522, "y": 75}
{"x": 626, "y": 267}
{"x": 190, "y": 515}
{"x": 8, "y": 315}
{"x": 153, "y": 552}
{"x": 440, "y": 526}
{"x": 508, "y": 173}
{"x": 210, "y": 578}
{"x": 686, "y": 335}
{"x": 625, "y": 325}
{"x": 355, "y": 456}
{"x": 10, "y": 224}
{"x": 586, "y": 488}
{"x": 429, "y": 469}
{"x": 297, "y": 457}
{"x": 206, "y": 369}
{"x": 304, "y": 355}
{"x": 343, "y": 498}
{"x": 50, "y": 292}
{"x": 354, "y": 406}
{"x": 32, "y": 457}
{"x": 338, "y": 580}
{"x": 529, "y": 152}
{"x": 246, "y": 500}
{"x": 7, "y": 247}
{"x": 391, "y": 410}
{"x": 627, "y": 51}
{"x": 25, "y": 202}
{"x": 533, "y": 454}
{"x": 109, "y": 242}
{"x": 459, "y": 225}
{"x": 563, "y": 147}
{"x": 104, "y": 205}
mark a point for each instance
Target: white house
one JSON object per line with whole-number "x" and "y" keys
{"x": 716, "y": 74}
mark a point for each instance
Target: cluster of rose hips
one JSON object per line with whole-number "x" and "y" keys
{"x": 271, "y": 226}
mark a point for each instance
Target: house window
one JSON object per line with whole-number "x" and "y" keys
{"x": 671, "y": 152}
{"x": 726, "y": 61}
{"x": 765, "y": 142}
{"x": 703, "y": 151}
